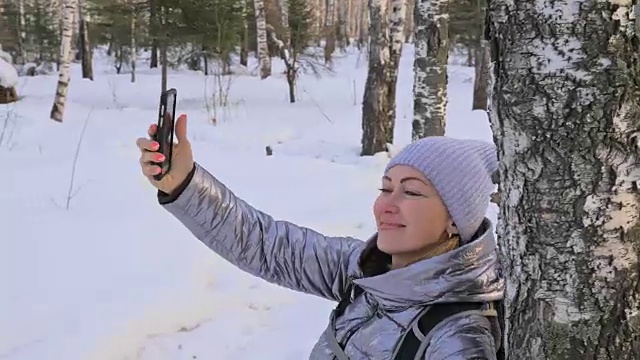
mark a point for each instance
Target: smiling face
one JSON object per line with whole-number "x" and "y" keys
{"x": 410, "y": 215}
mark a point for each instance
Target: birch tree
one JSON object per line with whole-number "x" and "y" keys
{"x": 22, "y": 34}
{"x": 431, "y": 38}
{"x": 363, "y": 26}
{"x": 54, "y": 11}
{"x": 343, "y": 12}
{"x": 85, "y": 51}
{"x": 244, "y": 45}
{"x": 329, "y": 31}
{"x": 565, "y": 113}
{"x": 132, "y": 40}
{"x": 284, "y": 18}
{"x": 59, "y": 102}
{"x": 385, "y": 48}
{"x": 154, "y": 30}
{"x": 481, "y": 64}
{"x": 261, "y": 33}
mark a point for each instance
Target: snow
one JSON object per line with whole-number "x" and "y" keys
{"x": 8, "y": 74}
{"x": 5, "y": 55}
{"x": 117, "y": 277}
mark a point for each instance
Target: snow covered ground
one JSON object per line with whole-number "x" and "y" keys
{"x": 114, "y": 276}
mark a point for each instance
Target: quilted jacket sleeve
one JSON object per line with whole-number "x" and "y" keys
{"x": 462, "y": 338}
{"x": 279, "y": 252}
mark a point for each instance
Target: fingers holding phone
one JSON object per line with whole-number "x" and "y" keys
{"x": 152, "y": 160}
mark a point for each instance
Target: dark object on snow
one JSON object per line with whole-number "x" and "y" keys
{"x": 8, "y": 95}
{"x": 269, "y": 150}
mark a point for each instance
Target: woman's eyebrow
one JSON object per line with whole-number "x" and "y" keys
{"x": 406, "y": 179}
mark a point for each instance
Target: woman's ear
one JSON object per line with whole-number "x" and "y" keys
{"x": 452, "y": 229}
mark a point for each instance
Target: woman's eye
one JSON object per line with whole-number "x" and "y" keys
{"x": 412, "y": 193}
{"x": 385, "y": 190}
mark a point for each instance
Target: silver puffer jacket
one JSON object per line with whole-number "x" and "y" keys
{"x": 304, "y": 260}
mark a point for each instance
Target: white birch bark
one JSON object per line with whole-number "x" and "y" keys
{"x": 408, "y": 29}
{"x": 397, "y": 20}
{"x": 284, "y": 16}
{"x": 57, "y": 111}
{"x": 431, "y": 41}
{"x": 565, "y": 113}
{"x": 261, "y": 32}
{"x": 385, "y": 48}
{"x": 377, "y": 127}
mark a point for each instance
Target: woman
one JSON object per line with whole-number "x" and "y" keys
{"x": 434, "y": 246}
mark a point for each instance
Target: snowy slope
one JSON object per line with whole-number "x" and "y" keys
{"x": 115, "y": 276}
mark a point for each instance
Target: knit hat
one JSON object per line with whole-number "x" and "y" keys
{"x": 460, "y": 170}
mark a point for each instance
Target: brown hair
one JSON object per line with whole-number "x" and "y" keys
{"x": 374, "y": 262}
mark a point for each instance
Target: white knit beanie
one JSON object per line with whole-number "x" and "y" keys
{"x": 460, "y": 170}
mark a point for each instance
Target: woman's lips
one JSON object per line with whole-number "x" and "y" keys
{"x": 390, "y": 226}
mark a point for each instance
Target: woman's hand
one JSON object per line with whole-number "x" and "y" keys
{"x": 181, "y": 162}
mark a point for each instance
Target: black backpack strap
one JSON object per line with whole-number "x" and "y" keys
{"x": 429, "y": 320}
{"x": 352, "y": 291}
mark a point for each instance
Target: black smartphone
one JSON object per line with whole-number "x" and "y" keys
{"x": 166, "y": 125}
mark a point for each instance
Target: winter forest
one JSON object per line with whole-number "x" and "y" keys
{"x": 555, "y": 84}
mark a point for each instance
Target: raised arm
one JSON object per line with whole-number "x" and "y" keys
{"x": 279, "y": 252}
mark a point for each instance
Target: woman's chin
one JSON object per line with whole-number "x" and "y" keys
{"x": 388, "y": 246}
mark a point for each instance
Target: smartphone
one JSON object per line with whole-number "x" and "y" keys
{"x": 166, "y": 125}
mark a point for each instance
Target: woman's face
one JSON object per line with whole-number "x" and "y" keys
{"x": 410, "y": 214}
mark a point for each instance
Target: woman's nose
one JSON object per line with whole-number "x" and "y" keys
{"x": 390, "y": 204}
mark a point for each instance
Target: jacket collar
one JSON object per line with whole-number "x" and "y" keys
{"x": 468, "y": 273}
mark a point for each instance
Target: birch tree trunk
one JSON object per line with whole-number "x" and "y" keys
{"x": 164, "y": 66}
{"x": 59, "y": 102}
{"x": 481, "y": 79}
{"x": 482, "y": 61}
{"x": 408, "y": 29}
{"x": 261, "y": 31}
{"x": 54, "y": 13}
{"x": 377, "y": 126}
{"x": 22, "y": 34}
{"x": 351, "y": 11}
{"x": 284, "y": 16}
{"x": 163, "y": 44}
{"x": 397, "y": 22}
{"x": 75, "y": 25}
{"x": 314, "y": 6}
{"x": 329, "y": 31}
{"x": 363, "y": 26}
{"x": 565, "y": 114}
{"x": 343, "y": 39}
{"x": 431, "y": 24}
{"x": 134, "y": 48}
{"x": 244, "y": 46}
{"x": 154, "y": 29}
{"x": 358, "y": 24}
{"x": 86, "y": 51}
